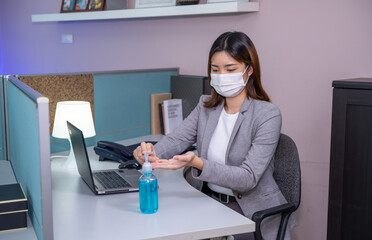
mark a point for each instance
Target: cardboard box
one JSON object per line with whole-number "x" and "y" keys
{"x": 156, "y": 99}
{"x": 13, "y": 207}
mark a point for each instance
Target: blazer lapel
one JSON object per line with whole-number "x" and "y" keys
{"x": 209, "y": 130}
{"x": 238, "y": 122}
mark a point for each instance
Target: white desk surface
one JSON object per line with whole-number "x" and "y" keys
{"x": 184, "y": 212}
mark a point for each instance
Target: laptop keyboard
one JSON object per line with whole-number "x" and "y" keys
{"x": 111, "y": 180}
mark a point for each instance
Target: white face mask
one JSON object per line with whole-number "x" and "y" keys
{"x": 228, "y": 85}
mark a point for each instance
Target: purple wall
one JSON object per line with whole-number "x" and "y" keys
{"x": 1, "y": 47}
{"x": 303, "y": 46}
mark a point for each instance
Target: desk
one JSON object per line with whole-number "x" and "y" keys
{"x": 184, "y": 212}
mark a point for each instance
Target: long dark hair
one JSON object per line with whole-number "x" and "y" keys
{"x": 241, "y": 48}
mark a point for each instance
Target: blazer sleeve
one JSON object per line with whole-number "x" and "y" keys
{"x": 182, "y": 137}
{"x": 246, "y": 176}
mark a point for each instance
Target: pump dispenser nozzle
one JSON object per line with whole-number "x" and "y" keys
{"x": 146, "y": 167}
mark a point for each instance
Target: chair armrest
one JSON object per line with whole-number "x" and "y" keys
{"x": 285, "y": 209}
{"x": 260, "y": 215}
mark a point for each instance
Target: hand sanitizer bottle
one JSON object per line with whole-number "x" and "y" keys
{"x": 148, "y": 189}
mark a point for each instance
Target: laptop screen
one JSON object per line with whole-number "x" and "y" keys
{"x": 81, "y": 155}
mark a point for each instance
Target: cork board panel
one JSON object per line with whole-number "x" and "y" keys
{"x": 62, "y": 88}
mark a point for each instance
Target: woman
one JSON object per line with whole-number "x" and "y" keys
{"x": 236, "y": 130}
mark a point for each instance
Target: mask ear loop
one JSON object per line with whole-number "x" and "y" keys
{"x": 246, "y": 68}
{"x": 243, "y": 75}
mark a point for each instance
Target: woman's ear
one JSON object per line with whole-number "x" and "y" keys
{"x": 250, "y": 71}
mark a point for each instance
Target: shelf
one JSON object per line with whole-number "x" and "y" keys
{"x": 174, "y": 11}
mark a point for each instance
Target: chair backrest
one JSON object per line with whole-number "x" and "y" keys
{"x": 287, "y": 171}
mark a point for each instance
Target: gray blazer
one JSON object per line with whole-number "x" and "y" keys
{"x": 249, "y": 156}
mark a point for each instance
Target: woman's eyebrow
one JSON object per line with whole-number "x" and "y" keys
{"x": 231, "y": 64}
{"x": 227, "y": 65}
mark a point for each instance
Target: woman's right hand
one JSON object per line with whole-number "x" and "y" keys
{"x": 139, "y": 153}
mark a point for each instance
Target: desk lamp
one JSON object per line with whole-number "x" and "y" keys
{"x": 79, "y": 114}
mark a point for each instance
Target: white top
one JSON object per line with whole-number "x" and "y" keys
{"x": 218, "y": 145}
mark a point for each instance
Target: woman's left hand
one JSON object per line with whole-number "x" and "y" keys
{"x": 179, "y": 161}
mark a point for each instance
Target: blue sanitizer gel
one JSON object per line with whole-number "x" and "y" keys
{"x": 148, "y": 189}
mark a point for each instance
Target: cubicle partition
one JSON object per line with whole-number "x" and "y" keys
{"x": 28, "y": 149}
{"x": 121, "y": 103}
{"x": 120, "y": 100}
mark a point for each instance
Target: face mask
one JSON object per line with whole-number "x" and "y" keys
{"x": 228, "y": 85}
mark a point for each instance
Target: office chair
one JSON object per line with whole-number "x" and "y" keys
{"x": 287, "y": 174}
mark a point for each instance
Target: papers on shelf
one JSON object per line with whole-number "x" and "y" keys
{"x": 172, "y": 114}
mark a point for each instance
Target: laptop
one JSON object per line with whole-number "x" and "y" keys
{"x": 101, "y": 182}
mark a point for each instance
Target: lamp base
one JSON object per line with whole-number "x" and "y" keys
{"x": 70, "y": 162}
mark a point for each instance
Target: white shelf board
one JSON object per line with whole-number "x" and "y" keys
{"x": 174, "y": 11}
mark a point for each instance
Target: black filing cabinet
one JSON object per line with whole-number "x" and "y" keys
{"x": 350, "y": 182}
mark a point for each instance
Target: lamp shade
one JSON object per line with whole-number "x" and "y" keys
{"x": 78, "y": 113}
